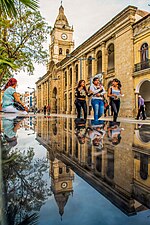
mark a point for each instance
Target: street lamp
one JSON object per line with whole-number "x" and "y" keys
{"x": 34, "y": 95}
{"x": 80, "y": 59}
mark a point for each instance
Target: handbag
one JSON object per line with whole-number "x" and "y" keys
{"x": 18, "y": 106}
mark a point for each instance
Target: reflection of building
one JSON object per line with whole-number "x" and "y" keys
{"x": 120, "y": 49}
{"x": 61, "y": 183}
{"x": 116, "y": 171}
{"x": 61, "y": 175}
{"x": 141, "y": 146}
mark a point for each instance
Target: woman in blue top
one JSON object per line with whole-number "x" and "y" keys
{"x": 114, "y": 92}
{"x": 10, "y": 96}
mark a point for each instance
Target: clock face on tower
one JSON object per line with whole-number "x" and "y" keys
{"x": 64, "y": 36}
{"x": 64, "y": 185}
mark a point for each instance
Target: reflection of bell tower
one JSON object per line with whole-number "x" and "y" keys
{"x": 61, "y": 183}
{"x": 61, "y": 38}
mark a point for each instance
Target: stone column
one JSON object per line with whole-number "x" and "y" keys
{"x": 73, "y": 90}
{"x": 104, "y": 59}
{"x": 93, "y": 63}
{"x": 67, "y": 112}
{"x": 136, "y": 103}
{"x": 42, "y": 100}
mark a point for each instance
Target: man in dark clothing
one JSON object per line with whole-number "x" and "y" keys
{"x": 141, "y": 107}
{"x": 44, "y": 109}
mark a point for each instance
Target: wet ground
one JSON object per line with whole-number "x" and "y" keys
{"x": 58, "y": 170}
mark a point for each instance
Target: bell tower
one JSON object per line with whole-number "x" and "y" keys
{"x": 61, "y": 183}
{"x": 61, "y": 38}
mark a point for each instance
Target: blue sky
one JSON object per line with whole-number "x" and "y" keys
{"x": 86, "y": 16}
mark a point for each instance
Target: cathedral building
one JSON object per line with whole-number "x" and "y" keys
{"x": 120, "y": 49}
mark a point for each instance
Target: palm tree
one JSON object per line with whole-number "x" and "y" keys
{"x": 8, "y": 6}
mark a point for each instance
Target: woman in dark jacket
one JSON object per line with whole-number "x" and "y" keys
{"x": 80, "y": 102}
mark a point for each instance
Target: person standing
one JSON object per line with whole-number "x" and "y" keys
{"x": 80, "y": 101}
{"x": 114, "y": 92}
{"x": 44, "y": 109}
{"x": 48, "y": 109}
{"x": 97, "y": 101}
{"x": 11, "y": 97}
{"x": 141, "y": 107}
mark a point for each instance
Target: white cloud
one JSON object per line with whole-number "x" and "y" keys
{"x": 86, "y": 16}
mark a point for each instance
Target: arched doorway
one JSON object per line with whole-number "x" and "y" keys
{"x": 54, "y": 101}
{"x": 144, "y": 92}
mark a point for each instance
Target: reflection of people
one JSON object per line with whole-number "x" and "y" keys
{"x": 10, "y": 96}
{"x": 80, "y": 102}
{"x": 48, "y": 109}
{"x": 97, "y": 101}
{"x": 10, "y": 126}
{"x": 80, "y": 130}
{"x": 141, "y": 108}
{"x": 106, "y": 107}
{"x": 96, "y": 132}
{"x": 114, "y": 132}
{"x": 114, "y": 92}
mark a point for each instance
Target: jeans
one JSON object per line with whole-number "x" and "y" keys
{"x": 98, "y": 107}
{"x": 81, "y": 104}
{"x": 12, "y": 109}
{"x": 115, "y": 104}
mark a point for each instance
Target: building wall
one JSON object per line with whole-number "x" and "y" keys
{"x": 119, "y": 32}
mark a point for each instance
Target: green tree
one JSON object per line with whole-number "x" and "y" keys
{"x": 21, "y": 42}
{"x": 8, "y": 7}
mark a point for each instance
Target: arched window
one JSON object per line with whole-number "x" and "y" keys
{"x": 99, "y": 163}
{"x": 89, "y": 67}
{"x": 144, "y": 166}
{"x": 76, "y": 149}
{"x": 65, "y": 78}
{"x": 144, "y": 52}
{"x": 54, "y": 127}
{"x": 70, "y": 76}
{"x": 60, "y": 170}
{"x": 60, "y": 51}
{"x": 67, "y": 51}
{"x": 99, "y": 61}
{"x": 110, "y": 165}
{"x": 111, "y": 63}
{"x": 70, "y": 101}
{"x": 77, "y": 72}
{"x": 65, "y": 102}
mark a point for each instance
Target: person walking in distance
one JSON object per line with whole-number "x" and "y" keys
{"x": 48, "y": 109}
{"x": 80, "y": 101}
{"x": 114, "y": 92}
{"x": 44, "y": 109}
{"x": 97, "y": 101}
{"x": 141, "y": 108}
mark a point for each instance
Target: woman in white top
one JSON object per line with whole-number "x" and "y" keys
{"x": 97, "y": 101}
{"x": 114, "y": 92}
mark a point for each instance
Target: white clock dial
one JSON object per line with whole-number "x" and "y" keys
{"x": 64, "y": 36}
{"x": 64, "y": 185}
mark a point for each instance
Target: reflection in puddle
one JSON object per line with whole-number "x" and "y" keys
{"x": 113, "y": 158}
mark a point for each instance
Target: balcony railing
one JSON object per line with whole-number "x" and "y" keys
{"x": 142, "y": 65}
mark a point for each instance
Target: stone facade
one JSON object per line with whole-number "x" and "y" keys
{"x": 112, "y": 52}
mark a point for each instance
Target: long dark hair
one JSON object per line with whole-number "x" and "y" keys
{"x": 79, "y": 85}
{"x": 119, "y": 83}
